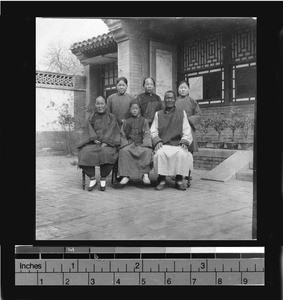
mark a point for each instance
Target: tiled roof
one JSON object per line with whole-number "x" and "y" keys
{"x": 103, "y": 40}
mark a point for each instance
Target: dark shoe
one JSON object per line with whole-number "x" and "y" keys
{"x": 91, "y": 188}
{"x": 119, "y": 185}
{"x": 160, "y": 186}
{"x": 118, "y": 179}
{"x": 180, "y": 186}
{"x": 102, "y": 188}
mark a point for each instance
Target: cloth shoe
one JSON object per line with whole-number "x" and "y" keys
{"x": 124, "y": 180}
{"x": 146, "y": 179}
{"x": 92, "y": 185}
{"x": 102, "y": 185}
{"x": 180, "y": 186}
{"x": 161, "y": 186}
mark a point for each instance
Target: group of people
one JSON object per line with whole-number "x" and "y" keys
{"x": 140, "y": 133}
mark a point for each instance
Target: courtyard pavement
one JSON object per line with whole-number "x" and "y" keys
{"x": 208, "y": 210}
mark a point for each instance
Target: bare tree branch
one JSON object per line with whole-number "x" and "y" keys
{"x": 58, "y": 58}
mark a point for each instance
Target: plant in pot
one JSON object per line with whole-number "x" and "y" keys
{"x": 219, "y": 124}
{"x": 247, "y": 123}
{"x": 234, "y": 122}
{"x": 202, "y": 128}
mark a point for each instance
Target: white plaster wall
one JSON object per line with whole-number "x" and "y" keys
{"x": 164, "y": 68}
{"x": 44, "y": 116}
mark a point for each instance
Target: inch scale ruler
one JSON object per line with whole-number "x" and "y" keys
{"x": 90, "y": 266}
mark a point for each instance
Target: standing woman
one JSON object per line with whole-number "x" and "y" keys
{"x": 149, "y": 101}
{"x": 119, "y": 103}
{"x": 191, "y": 107}
{"x": 99, "y": 144}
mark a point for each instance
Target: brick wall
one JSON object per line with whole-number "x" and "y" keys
{"x": 79, "y": 101}
{"x": 124, "y": 61}
{"x": 207, "y": 163}
{"x": 208, "y": 159}
{"x": 133, "y": 62}
{"x": 139, "y": 64}
{"x": 79, "y": 109}
{"x": 227, "y": 133}
{"x": 55, "y": 141}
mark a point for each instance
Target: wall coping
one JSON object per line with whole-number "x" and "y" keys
{"x": 221, "y": 153}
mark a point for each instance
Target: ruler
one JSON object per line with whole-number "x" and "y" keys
{"x": 90, "y": 266}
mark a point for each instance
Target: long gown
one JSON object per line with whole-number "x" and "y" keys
{"x": 118, "y": 105}
{"x": 135, "y": 156}
{"x": 150, "y": 104}
{"x": 191, "y": 107}
{"x": 104, "y": 128}
{"x": 172, "y": 129}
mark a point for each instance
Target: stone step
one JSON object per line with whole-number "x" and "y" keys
{"x": 246, "y": 175}
{"x": 230, "y": 166}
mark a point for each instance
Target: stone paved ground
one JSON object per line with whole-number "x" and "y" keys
{"x": 206, "y": 211}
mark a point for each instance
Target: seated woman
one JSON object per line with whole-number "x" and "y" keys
{"x": 171, "y": 134}
{"x": 135, "y": 155}
{"x": 99, "y": 144}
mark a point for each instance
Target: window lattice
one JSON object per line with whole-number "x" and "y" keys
{"x": 54, "y": 79}
{"x": 203, "y": 52}
{"x": 243, "y": 45}
{"x": 110, "y": 75}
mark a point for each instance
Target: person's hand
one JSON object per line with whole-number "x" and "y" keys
{"x": 103, "y": 145}
{"x": 97, "y": 142}
{"x": 158, "y": 146}
{"x": 184, "y": 147}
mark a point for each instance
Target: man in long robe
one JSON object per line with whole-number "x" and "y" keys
{"x": 171, "y": 134}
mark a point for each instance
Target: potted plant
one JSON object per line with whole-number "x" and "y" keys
{"x": 233, "y": 122}
{"x": 219, "y": 124}
{"x": 247, "y": 123}
{"x": 202, "y": 128}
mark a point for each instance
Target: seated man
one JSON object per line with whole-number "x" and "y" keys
{"x": 171, "y": 134}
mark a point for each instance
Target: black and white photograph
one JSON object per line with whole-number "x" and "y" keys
{"x": 145, "y": 128}
{"x": 141, "y": 138}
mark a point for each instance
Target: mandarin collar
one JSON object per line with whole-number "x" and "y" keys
{"x": 168, "y": 112}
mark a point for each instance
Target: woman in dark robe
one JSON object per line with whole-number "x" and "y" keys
{"x": 149, "y": 101}
{"x": 191, "y": 107}
{"x": 99, "y": 144}
{"x": 135, "y": 154}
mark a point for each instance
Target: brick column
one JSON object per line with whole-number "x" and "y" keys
{"x": 79, "y": 101}
{"x": 133, "y": 49}
{"x": 93, "y": 83}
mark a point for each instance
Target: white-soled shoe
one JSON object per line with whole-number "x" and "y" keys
{"x": 124, "y": 180}
{"x": 92, "y": 185}
{"x": 146, "y": 179}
